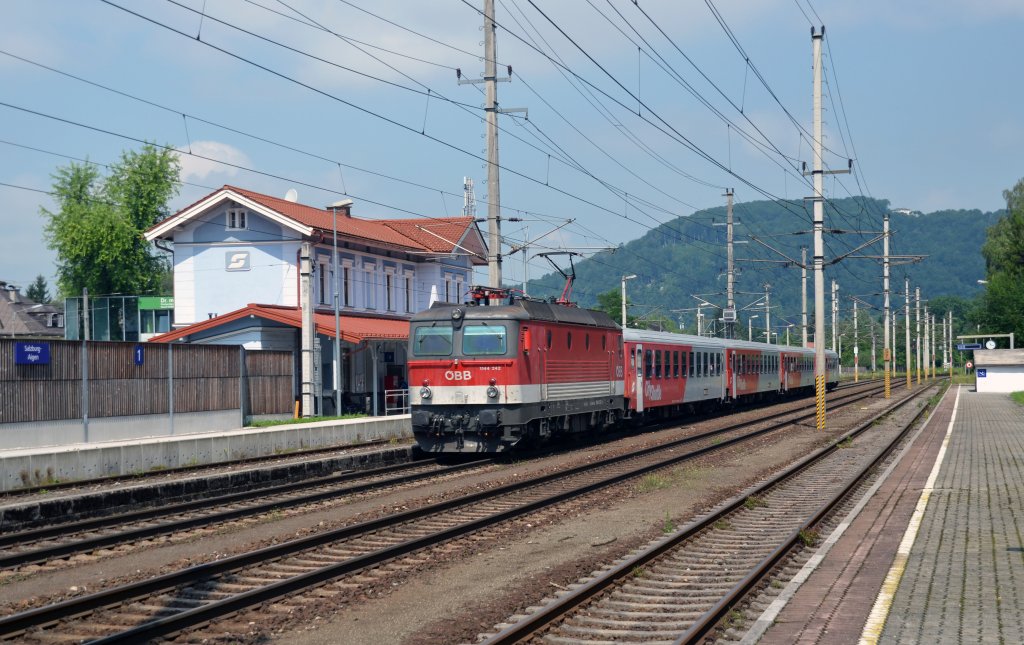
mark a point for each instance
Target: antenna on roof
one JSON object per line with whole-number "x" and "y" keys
{"x": 468, "y": 198}
{"x": 291, "y": 196}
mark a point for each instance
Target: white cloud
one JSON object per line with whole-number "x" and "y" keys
{"x": 202, "y": 163}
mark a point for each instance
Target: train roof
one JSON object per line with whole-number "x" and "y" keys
{"x": 534, "y": 310}
{"x": 647, "y": 336}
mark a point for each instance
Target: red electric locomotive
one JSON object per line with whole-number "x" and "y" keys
{"x": 485, "y": 378}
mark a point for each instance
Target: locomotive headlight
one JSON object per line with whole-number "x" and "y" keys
{"x": 425, "y": 392}
{"x": 492, "y": 392}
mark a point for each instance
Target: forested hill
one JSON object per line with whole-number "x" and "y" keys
{"x": 687, "y": 256}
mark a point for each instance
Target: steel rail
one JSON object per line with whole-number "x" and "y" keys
{"x": 101, "y": 541}
{"x": 532, "y": 625}
{"x": 712, "y": 617}
{"x": 62, "y": 550}
{"x": 18, "y": 623}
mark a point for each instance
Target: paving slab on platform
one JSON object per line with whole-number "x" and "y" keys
{"x": 960, "y": 576}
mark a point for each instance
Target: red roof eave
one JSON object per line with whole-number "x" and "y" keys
{"x": 354, "y": 329}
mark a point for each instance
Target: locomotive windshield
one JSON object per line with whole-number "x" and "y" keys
{"x": 483, "y": 340}
{"x": 433, "y": 341}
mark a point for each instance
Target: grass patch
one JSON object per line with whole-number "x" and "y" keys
{"x": 1018, "y": 397}
{"x": 266, "y": 423}
{"x": 753, "y": 502}
{"x": 669, "y": 525}
{"x": 639, "y": 572}
{"x": 735, "y": 619}
{"x": 846, "y": 443}
{"x": 808, "y": 537}
{"x": 652, "y": 482}
{"x": 723, "y": 525}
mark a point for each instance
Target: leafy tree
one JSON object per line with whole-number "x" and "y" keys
{"x": 1003, "y": 303}
{"x": 97, "y": 230}
{"x": 610, "y": 302}
{"x": 38, "y": 291}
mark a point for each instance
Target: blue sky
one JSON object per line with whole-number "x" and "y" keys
{"x": 924, "y": 94}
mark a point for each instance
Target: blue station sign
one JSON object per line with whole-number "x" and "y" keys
{"x": 981, "y": 372}
{"x": 31, "y": 353}
{"x": 139, "y": 355}
{"x": 966, "y": 347}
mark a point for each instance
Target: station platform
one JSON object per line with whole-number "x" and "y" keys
{"x": 933, "y": 552}
{"x": 37, "y": 466}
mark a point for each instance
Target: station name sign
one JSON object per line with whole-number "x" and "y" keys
{"x": 31, "y": 353}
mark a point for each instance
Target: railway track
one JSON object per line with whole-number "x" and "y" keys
{"x": 291, "y": 457}
{"x": 686, "y": 585}
{"x": 351, "y": 556}
{"x": 60, "y": 541}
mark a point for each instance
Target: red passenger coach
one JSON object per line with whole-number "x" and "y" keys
{"x": 668, "y": 373}
{"x": 486, "y": 378}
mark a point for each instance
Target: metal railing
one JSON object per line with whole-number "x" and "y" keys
{"x": 396, "y": 401}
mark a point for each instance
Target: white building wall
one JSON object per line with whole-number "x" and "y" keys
{"x": 1004, "y": 378}
{"x": 184, "y": 286}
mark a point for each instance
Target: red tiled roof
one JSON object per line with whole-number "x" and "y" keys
{"x": 405, "y": 234}
{"x": 354, "y": 329}
{"x": 440, "y": 233}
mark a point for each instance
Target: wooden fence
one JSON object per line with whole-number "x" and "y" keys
{"x": 121, "y": 381}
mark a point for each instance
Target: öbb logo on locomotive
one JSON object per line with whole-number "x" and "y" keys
{"x": 458, "y": 375}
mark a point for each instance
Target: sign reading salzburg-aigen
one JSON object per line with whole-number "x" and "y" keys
{"x": 31, "y": 353}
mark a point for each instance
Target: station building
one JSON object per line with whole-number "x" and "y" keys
{"x": 236, "y": 281}
{"x": 999, "y": 370}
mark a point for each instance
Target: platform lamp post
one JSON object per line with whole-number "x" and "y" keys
{"x": 624, "y": 278}
{"x": 750, "y": 327}
{"x": 787, "y": 333}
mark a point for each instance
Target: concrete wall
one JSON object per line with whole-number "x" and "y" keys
{"x": 38, "y": 434}
{"x": 31, "y": 467}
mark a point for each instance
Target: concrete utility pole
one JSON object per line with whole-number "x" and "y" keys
{"x": 308, "y": 329}
{"x": 906, "y": 296}
{"x": 917, "y": 333}
{"x": 926, "y": 350}
{"x": 819, "y": 230}
{"x": 624, "y": 278}
{"x": 768, "y": 312}
{"x": 856, "y": 346}
{"x": 931, "y": 347}
{"x": 835, "y": 313}
{"x": 730, "y": 294}
{"x": 819, "y": 239}
{"x": 886, "y": 347}
{"x": 490, "y": 81}
{"x": 493, "y": 185}
{"x": 803, "y": 293}
{"x": 950, "y": 341}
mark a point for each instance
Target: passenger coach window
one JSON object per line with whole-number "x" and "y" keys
{"x": 675, "y": 364}
{"x": 657, "y": 364}
{"x": 690, "y": 363}
{"x": 432, "y": 341}
{"x": 648, "y": 368}
{"x": 483, "y": 340}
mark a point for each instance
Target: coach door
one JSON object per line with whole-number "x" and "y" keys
{"x": 639, "y": 349}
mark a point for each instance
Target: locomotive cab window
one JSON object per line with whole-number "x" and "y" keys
{"x": 483, "y": 340}
{"x": 433, "y": 341}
